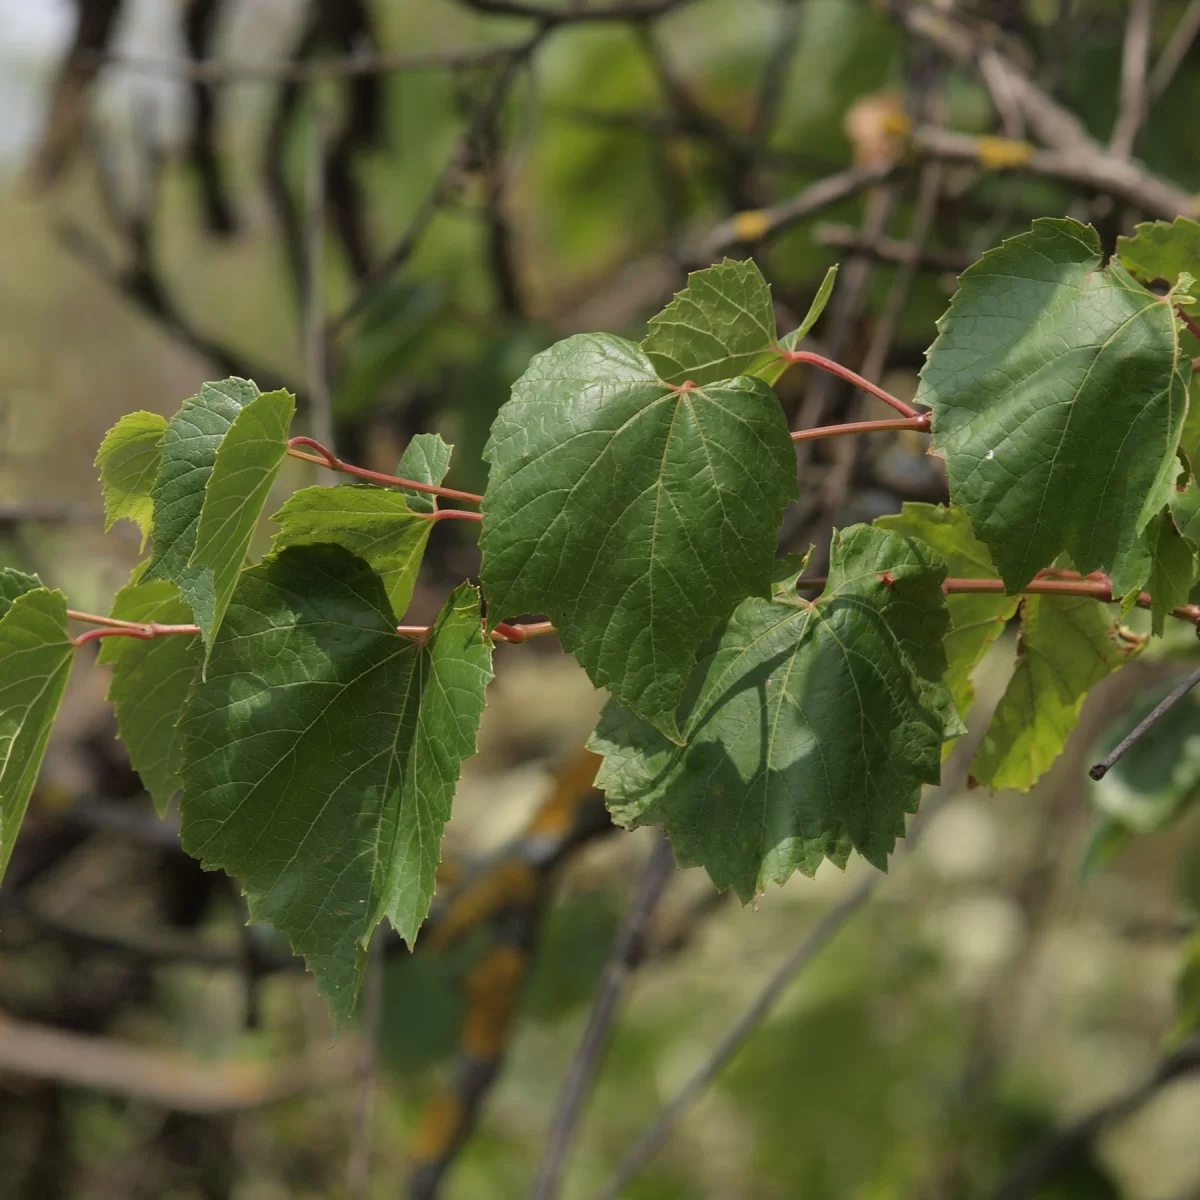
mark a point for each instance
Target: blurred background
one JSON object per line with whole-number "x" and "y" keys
{"x": 388, "y": 207}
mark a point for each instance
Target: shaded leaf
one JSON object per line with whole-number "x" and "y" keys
{"x": 1163, "y": 251}
{"x": 1058, "y": 395}
{"x": 720, "y": 326}
{"x": 376, "y": 524}
{"x": 1172, "y": 572}
{"x": 1067, "y": 645}
{"x": 976, "y": 620}
{"x": 322, "y": 751}
{"x": 35, "y": 660}
{"x": 426, "y": 459}
{"x": 151, "y": 681}
{"x": 810, "y": 726}
{"x": 245, "y": 467}
{"x": 633, "y": 514}
{"x": 189, "y": 451}
{"x": 129, "y": 460}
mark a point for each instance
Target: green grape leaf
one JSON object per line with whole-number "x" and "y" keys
{"x": 244, "y": 470}
{"x": 129, "y": 459}
{"x": 1159, "y": 776}
{"x": 189, "y": 452}
{"x": 1058, "y": 395}
{"x": 976, "y": 619}
{"x": 810, "y": 727}
{"x": 426, "y": 459}
{"x": 790, "y": 341}
{"x": 720, "y": 326}
{"x": 1067, "y": 645}
{"x": 634, "y": 514}
{"x": 1163, "y": 250}
{"x": 321, "y": 754}
{"x": 376, "y": 524}
{"x": 1173, "y": 570}
{"x": 151, "y": 681}
{"x": 35, "y": 660}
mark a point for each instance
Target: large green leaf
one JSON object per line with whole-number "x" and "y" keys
{"x": 1163, "y": 250}
{"x": 635, "y": 514}
{"x": 1067, "y": 645}
{"x": 1058, "y": 396}
{"x": 426, "y": 459}
{"x": 35, "y": 660}
{"x": 189, "y": 453}
{"x": 374, "y": 523}
{"x": 129, "y": 459}
{"x": 720, "y": 326}
{"x": 150, "y": 684}
{"x": 322, "y": 751}
{"x": 810, "y": 726}
{"x": 976, "y": 619}
{"x": 247, "y": 462}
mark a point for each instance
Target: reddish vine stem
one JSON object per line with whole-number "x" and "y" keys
{"x": 112, "y": 627}
{"x": 1097, "y": 586}
{"x": 325, "y": 457}
{"x": 1192, "y": 327}
{"x": 836, "y": 368}
{"x": 920, "y": 423}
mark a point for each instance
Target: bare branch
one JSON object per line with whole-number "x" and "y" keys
{"x": 1134, "y": 55}
{"x": 359, "y": 1175}
{"x": 1109, "y": 761}
{"x": 813, "y": 942}
{"x": 315, "y": 356}
{"x": 626, "y": 955}
{"x": 635, "y": 10}
{"x": 1174, "y": 52}
{"x": 216, "y": 73}
{"x": 890, "y": 250}
{"x": 1046, "y": 1159}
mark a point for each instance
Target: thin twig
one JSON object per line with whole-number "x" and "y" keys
{"x": 1174, "y": 52}
{"x": 1047, "y": 1158}
{"x": 1111, "y": 759}
{"x": 626, "y": 955}
{"x": 315, "y": 346}
{"x": 1135, "y": 52}
{"x": 813, "y": 942}
{"x": 919, "y": 423}
{"x": 326, "y": 457}
{"x": 359, "y": 1174}
{"x": 346, "y": 67}
{"x": 832, "y": 367}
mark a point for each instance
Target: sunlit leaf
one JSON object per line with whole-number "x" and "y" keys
{"x": 129, "y": 459}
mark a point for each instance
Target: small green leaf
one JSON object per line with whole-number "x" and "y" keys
{"x": 1052, "y": 379}
{"x": 376, "y": 524}
{"x": 810, "y": 727}
{"x": 189, "y": 451}
{"x": 244, "y": 470}
{"x": 976, "y": 619}
{"x": 151, "y": 681}
{"x": 634, "y": 514}
{"x": 322, "y": 751}
{"x": 426, "y": 459}
{"x": 1173, "y": 570}
{"x": 791, "y": 341}
{"x": 720, "y": 326}
{"x": 129, "y": 459}
{"x": 1067, "y": 645}
{"x": 1163, "y": 250}
{"x": 35, "y": 660}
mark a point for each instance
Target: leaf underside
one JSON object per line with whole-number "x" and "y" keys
{"x": 35, "y": 661}
{"x": 1067, "y": 645}
{"x": 810, "y": 727}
